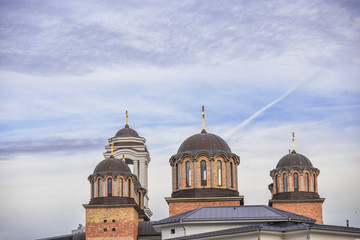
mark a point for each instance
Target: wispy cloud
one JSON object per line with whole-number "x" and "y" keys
{"x": 67, "y": 146}
{"x": 48, "y": 37}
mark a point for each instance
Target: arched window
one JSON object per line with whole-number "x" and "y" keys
{"x": 129, "y": 187}
{"x": 120, "y": 187}
{"x": 99, "y": 187}
{"x": 92, "y": 189}
{"x": 177, "y": 175}
{"x": 276, "y": 184}
{"x": 203, "y": 173}
{"x": 219, "y": 173}
{"x": 314, "y": 182}
{"x": 109, "y": 187}
{"x": 231, "y": 175}
{"x": 140, "y": 199}
{"x": 296, "y": 182}
{"x": 307, "y": 182}
{"x": 285, "y": 182}
{"x": 188, "y": 174}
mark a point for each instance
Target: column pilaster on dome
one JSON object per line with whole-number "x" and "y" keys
{"x": 212, "y": 171}
{"x": 236, "y": 178}
{"x": 291, "y": 182}
{"x": 180, "y": 174}
{"x": 146, "y": 175}
{"x": 103, "y": 187}
{"x": 173, "y": 177}
{"x": 301, "y": 182}
{"x": 227, "y": 164}
{"x": 195, "y": 172}
{"x": 136, "y": 167}
{"x": 142, "y": 174}
{"x": 115, "y": 187}
{"x": 312, "y": 183}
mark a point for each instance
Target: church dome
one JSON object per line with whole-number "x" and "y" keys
{"x": 112, "y": 165}
{"x": 204, "y": 143}
{"x": 294, "y": 159}
{"x": 127, "y": 132}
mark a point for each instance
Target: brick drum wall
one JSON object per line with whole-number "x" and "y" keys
{"x": 180, "y": 207}
{"x": 126, "y": 223}
{"x": 308, "y": 209}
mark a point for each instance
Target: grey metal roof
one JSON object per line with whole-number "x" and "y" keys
{"x": 228, "y": 213}
{"x": 145, "y": 228}
{"x": 76, "y": 236}
{"x": 272, "y": 227}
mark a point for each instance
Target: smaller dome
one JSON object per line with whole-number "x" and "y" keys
{"x": 127, "y": 132}
{"x": 294, "y": 159}
{"x": 112, "y": 165}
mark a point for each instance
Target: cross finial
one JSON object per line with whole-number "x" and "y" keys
{"x": 126, "y": 115}
{"x": 293, "y": 140}
{"x": 123, "y": 158}
{"x": 203, "y": 117}
{"x": 112, "y": 146}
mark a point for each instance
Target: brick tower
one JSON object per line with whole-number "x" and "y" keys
{"x": 294, "y": 186}
{"x": 116, "y": 202}
{"x": 204, "y": 173}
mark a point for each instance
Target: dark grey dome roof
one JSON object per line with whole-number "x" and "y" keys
{"x": 204, "y": 142}
{"x": 112, "y": 165}
{"x": 127, "y": 132}
{"x": 294, "y": 159}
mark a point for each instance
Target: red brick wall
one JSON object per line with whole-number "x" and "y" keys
{"x": 308, "y": 209}
{"x": 126, "y": 223}
{"x": 180, "y": 207}
{"x": 182, "y": 169}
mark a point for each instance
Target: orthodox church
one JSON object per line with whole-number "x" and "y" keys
{"x": 205, "y": 202}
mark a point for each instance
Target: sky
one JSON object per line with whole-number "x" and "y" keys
{"x": 263, "y": 69}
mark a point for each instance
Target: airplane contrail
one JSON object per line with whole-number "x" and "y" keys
{"x": 263, "y": 109}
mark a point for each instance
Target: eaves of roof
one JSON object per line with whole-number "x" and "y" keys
{"x": 266, "y": 228}
{"x": 250, "y": 214}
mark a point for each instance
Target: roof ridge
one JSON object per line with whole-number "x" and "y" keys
{"x": 191, "y": 212}
{"x": 275, "y": 210}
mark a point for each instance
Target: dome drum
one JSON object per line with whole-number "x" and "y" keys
{"x": 204, "y": 192}
{"x": 112, "y": 183}
{"x": 294, "y": 178}
{"x": 204, "y": 166}
{"x": 296, "y": 196}
{"x": 114, "y": 200}
{"x": 290, "y": 171}
{"x": 182, "y": 158}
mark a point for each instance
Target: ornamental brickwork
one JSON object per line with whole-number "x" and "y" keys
{"x": 112, "y": 223}
{"x": 308, "y": 209}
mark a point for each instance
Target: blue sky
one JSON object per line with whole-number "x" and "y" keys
{"x": 263, "y": 69}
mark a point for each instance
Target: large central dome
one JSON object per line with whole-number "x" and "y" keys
{"x": 204, "y": 143}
